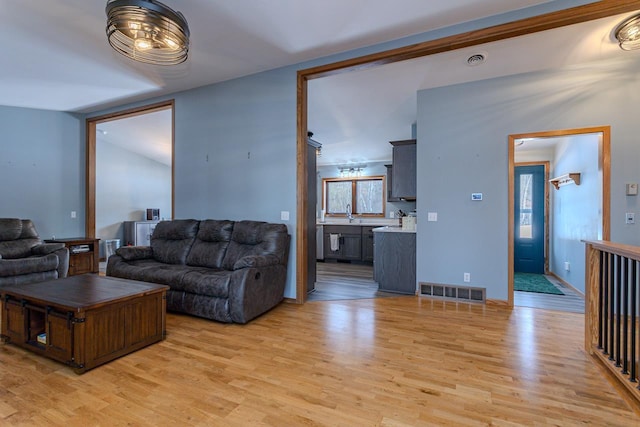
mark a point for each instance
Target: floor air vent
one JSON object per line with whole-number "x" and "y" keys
{"x": 454, "y": 293}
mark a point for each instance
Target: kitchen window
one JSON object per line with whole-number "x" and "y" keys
{"x": 364, "y": 195}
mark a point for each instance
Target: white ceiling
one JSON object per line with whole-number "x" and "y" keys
{"x": 148, "y": 135}
{"x": 355, "y": 114}
{"x": 61, "y": 60}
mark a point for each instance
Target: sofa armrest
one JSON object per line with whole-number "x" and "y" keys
{"x": 132, "y": 253}
{"x": 253, "y": 291}
{"x": 46, "y": 248}
{"x": 29, "y": 265}
{"x": 256, "y": 261}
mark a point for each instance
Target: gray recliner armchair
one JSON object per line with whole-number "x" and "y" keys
{"x": 23, "y": 256}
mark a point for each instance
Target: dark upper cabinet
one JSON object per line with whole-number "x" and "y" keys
{"x": 390, "y": 197}
{"x": 403, "y": 176}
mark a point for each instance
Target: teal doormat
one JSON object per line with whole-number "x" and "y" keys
{"x": 529, "y": 282}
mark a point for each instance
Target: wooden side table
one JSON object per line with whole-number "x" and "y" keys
{"x": 84, "y": 254}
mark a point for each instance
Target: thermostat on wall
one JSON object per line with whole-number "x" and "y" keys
{"x": 632, "y": 189}
{"x": 476, "y": 197}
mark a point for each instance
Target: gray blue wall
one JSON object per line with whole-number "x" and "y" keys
{"x": 462, "y": 148}
{"x": 42, "y": 170}
{"x": 247, "y": 128}
{"x": 576, "y": 210}
{"x": 127, "y": 184}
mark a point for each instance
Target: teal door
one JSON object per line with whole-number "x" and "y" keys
{"x": 528, "y": 250}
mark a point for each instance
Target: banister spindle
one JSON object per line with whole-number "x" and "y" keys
{"x": 605, "y": 306}
{"x": 618, "y": 300}
{"x": 612, "y": 278}
{"x": 634, "y": 302}
{"x": 625, "y": 317}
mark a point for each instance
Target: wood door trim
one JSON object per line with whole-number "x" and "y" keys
{"x": 604, "y": 158}
{"x": 575, "y": 15}
{"x": 91, "y": 124}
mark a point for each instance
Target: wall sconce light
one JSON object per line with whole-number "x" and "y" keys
{"x": 628, "y": 33}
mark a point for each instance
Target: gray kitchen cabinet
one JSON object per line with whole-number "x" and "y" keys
{"x": 394, "y": 266}
{"x": 403, "y": 185}
{"x": 350, "y": 242}
{"x": 367, "y": 243}
{"x": 390, "y": 197}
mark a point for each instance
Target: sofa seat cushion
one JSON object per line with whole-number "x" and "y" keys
{"x": 196, "y": 280}
{"x": 211, "y": 244}
{"x": 36, "y": 264}
{"x": 150, "y": 270}
{"x": 204, "y": 281}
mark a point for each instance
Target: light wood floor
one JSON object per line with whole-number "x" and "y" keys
{"x": 340, "y": 281}
{"x": 399, "y": 361}
{"x": 571, "y": 300}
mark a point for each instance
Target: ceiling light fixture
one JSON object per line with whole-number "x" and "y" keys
{"x": 147, "y": 31}
{"x": 351, "y": 171}
{"x": 628, "y": 33}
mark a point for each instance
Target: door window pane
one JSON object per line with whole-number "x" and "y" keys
{"x": 526, "y": 206}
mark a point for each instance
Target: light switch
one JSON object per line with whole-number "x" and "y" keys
{"x": 432, "y": 216}
{"x": 284, "y": 215}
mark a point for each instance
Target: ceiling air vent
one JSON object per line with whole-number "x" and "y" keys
{"x": 476, "y": 59}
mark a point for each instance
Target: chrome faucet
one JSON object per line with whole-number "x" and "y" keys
{"x": 349, "y": 216}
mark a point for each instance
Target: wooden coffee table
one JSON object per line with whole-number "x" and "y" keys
{"x": 84, "y": 321}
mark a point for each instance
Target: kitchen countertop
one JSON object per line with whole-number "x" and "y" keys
{"x": 392, "y": 229}
{"x": 380, "y": 222}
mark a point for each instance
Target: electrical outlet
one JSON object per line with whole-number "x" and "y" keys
{"x": 630, "y": 218}
{"x": 467, "y": 277}
{"x": 73, "y": 214}
{"x": 432, "y": 216}
{"x": 284, "y": 215}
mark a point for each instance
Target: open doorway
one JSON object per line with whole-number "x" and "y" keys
{"x": 101, "y": 190}
{"x": 573, "y": 206}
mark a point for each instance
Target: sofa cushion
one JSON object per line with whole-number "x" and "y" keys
{"x": 148, "y": 270}
{"x": 39, "y": 264}
{"x": 171, "y": 240}
{"x": 10, "y": 228}
{"x": 211, "y": 243}
{"x": 46, "y": 248}
{"x": 256, "y": 238}
{"x": 28, "y": 230}
{"x": 204, "y": 281}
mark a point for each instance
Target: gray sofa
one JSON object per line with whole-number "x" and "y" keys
{"x": 221, "y": 270}
{"x": 23, "y": 256}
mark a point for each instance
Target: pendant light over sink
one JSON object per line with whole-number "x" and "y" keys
{"x": 147, "y": 31}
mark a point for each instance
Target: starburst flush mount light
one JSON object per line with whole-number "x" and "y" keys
{"x": 147, "y": 31}
{"x": 628, "y": 33}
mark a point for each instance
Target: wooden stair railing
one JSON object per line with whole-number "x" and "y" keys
{"x": 612, "y": 285}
